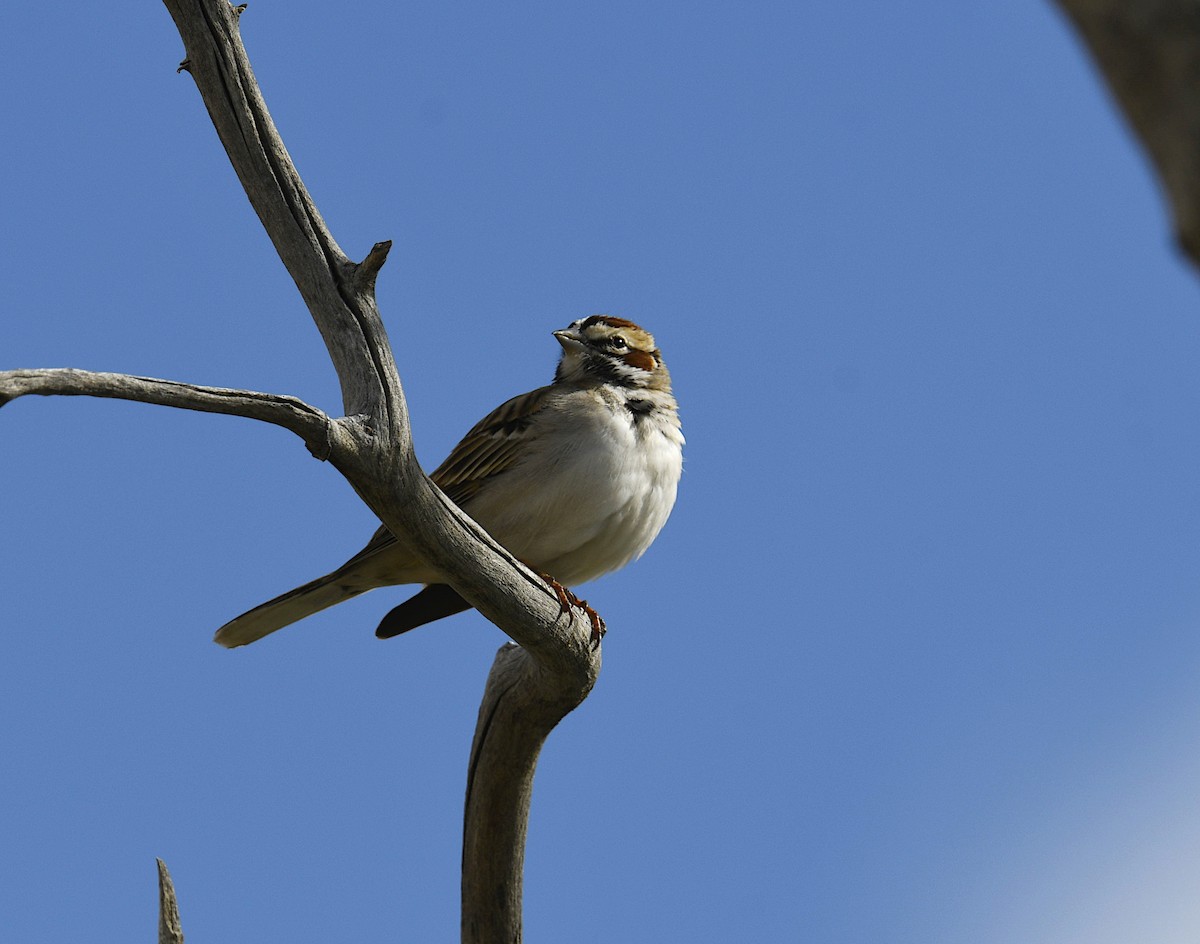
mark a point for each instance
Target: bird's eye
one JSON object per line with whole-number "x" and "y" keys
{"x": 617, "y": 341}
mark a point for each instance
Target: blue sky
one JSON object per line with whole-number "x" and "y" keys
{"x": 917, "y": 658}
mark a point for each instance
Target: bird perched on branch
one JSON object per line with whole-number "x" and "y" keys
{"x": 576, "y": 479}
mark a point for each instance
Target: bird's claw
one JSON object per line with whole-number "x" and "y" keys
{"x": 568, "y": 599}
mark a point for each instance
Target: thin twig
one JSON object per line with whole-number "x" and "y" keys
{"x": 307, "y": 422}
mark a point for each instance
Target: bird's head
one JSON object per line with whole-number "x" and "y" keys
{"x": 605, "y": 349}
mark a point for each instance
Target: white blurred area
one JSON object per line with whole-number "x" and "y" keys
{"x": 1116, "y": 858}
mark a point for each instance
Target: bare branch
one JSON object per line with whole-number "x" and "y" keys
{"x": 170, "y": 930}
{"x": 531, "y": 687}
{"x": 514, "y": 719}
{"x": 307, "y": 422}
{"x": 1149, "y": 51}
{"x": 345, "y": 314}
{"x": 377, "y": 457}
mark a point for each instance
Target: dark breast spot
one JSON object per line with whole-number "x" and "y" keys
{"x": 639, "y": 408}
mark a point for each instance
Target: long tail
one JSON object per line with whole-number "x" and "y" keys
{"x": 287, "y": 608}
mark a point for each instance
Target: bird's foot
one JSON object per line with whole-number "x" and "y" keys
{"x": 567, "y": 599}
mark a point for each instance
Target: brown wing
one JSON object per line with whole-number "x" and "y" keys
{"x": 491, "y": 447}
{"x": 488, "y": 449}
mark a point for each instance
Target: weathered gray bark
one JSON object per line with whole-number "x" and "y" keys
{"x": 518, "y": 710}
{"x": 533, "y": 685}
{"x": 170, "y": 930}
{"x": 1149, "y": 52}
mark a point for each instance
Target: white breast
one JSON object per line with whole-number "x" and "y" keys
{"x": 596, "y": 488}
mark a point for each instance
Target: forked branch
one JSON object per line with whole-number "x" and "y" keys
{"x": 532, "y": 686}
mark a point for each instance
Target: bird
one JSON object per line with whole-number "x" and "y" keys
{"x": 575, "y": 479}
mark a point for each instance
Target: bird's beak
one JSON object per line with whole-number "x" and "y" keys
{"x": 569, "y": 338}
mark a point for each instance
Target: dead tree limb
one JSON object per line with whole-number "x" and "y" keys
{"x": 532, "y": 685}
{"x": 307, "y": 422}
{"x": 1149, "y": 52}
{"x": 170, "y": 929}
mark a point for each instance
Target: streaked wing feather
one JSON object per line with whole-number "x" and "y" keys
{"x": 488, "y": 449}
{"x": 492, "y": 446}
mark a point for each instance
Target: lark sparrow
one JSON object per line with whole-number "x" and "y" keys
{"x": 576, "y": 479}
